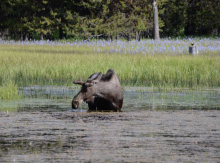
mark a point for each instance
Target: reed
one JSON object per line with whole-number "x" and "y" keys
{"x": 9, "y": 91}
{"x": 60, "y": 63}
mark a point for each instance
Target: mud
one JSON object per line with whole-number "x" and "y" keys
{"x": 129, "y": 136}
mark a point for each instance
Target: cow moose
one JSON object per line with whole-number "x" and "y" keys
{"x": 100, "y": 92}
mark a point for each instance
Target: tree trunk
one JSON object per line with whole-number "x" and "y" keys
{"x": 41, "y": 36}
{"x": 117, "y": 36}
{"x": 26, "y": 36}
{"x": 156, "y": 24}
{"x": 138, "y": 38}
{"x": 129, "y": 37}
{"x": 21, "y": 36}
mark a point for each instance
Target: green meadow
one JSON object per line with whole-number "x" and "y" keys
{"x": 24, "y": 65}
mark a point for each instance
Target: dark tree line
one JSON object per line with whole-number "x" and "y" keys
{"x": 109, "y": 19}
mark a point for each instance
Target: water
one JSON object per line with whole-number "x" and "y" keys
{"x": 56, "y": 98}
{"x": 167, "y": 126}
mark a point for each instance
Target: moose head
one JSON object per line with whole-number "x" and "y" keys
{"x": 87, "y": 91}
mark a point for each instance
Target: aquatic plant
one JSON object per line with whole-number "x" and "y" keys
{"x": 147, "y": 63}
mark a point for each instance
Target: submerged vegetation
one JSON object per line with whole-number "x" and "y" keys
{"x": 164, "y": 64}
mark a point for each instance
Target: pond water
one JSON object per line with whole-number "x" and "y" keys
{"x": 155, "y": 126}
{"x": 54, "y": 98}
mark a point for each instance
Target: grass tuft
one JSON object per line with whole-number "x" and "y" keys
{"x": 9, "y": 91}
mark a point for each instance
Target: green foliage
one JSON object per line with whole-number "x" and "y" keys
{"x": 190, "y": 17}
{"x": 107, "y": 18}
{"x": 203, "y": 17}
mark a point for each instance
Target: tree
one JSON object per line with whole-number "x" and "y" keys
{"x": 174, "y": 17}
{"x": 117, "y": 18}
{"x": 203, "y": 17}
{"x": 155, "y": 22}
{"x": 108, "y": 19}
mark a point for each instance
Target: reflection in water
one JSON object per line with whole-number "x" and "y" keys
{"x": 48, "y": 98}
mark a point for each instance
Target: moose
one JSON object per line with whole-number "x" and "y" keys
{"x": 100, "y": 92}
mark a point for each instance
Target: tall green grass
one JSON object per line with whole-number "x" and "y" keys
{"x": 59, "y": 65}
{"x": 9, "y": 91}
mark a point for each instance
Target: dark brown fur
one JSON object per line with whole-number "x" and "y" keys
{"x": 101, "y": 92}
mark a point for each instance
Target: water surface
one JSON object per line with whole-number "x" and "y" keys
{"x": 56, "y": 98}
{"x": 155, "y": 126}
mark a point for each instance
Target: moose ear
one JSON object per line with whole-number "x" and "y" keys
{"x": 91, "y": 82}
{"x": 98, "y": 78}
{"x": 79, "y": 81}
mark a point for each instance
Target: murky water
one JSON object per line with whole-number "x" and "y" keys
{"x": 168, "y": 126}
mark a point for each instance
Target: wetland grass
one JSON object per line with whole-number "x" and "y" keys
{"x": 9, "y": 91}
{"x": 137, "y": 64}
